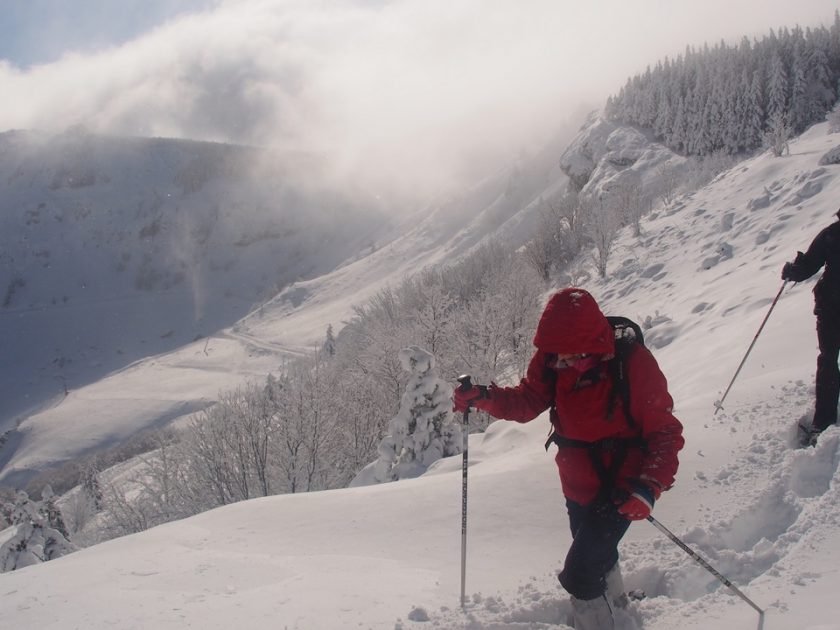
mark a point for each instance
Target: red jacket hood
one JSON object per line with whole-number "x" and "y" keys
{"x": 572, "y": 323}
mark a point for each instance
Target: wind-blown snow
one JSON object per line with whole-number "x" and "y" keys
{"x": 767, "y": 515}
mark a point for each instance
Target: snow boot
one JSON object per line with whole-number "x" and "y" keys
{"x": 592, "y": 614}
{"x": 808, "y": 435}
{"x": 615, "y": 587}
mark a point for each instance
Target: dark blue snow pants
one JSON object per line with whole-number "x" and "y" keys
{"x": 597, "y": 529}
{"x": 828, "y": 376}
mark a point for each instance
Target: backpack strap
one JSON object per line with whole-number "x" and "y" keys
{"x": 616, "y": 447}
{"x": 627, "y": 334}
{"x": 617, "y": 368}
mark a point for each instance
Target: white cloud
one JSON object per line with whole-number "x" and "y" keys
{"x": 413, "y": 89}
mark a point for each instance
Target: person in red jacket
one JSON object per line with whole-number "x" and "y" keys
{"x": 614, "y": 459}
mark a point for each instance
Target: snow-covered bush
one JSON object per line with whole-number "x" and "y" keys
{"x": 832, "y": 156}
{"x": 779, "y": 132}
{"x": 37, "y": 533}
{"x": 422, "y": 431}
{"x": 833, "y": 118}
{"x": 650, "y": 321}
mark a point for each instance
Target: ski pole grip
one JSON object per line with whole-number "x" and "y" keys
{"x": 466, "y": 382}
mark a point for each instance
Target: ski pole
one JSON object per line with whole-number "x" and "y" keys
{"x": 706, "y": 566}
{"x": 719, "y": 403}
{"x": 466, "y": 383}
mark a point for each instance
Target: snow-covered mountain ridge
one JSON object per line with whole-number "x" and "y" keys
{"x": 701, "y": 277}
{"x": 114, "y": 249}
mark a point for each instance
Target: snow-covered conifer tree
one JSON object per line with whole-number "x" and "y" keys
{"x": 754, "y": 119}
{"x": 34, "y": 540}
{"x": 821, "y": 92}
{"x": 91, "y": 486}
{"x": 329, "y": 342}
{"x": 833, "y": 118}
{"x": 798, "y": 110}
{"x": 49, "y": 508}
{"x": 422, "y": 431}
{"x": 777, "y": 89}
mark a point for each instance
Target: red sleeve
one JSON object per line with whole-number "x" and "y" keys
{"x": 526, "y": 401}
{"x": 652, "y": 408}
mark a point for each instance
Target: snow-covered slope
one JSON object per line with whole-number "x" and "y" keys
{"x": 153, "y": 391}
{"x": 504, "y": 206}
{"x": 387, "y": 556}
{"x": 115, "y": 249}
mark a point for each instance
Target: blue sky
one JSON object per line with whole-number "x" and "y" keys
{"x": 40, "y": 31}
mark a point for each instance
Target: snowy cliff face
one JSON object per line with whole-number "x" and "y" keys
{"x": 115, "y": 249}
{"x": 605, "y": 155}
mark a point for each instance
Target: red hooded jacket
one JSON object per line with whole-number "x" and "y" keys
{"x": 572, "y": 323}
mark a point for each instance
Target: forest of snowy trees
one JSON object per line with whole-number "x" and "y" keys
{"x": 736, "y": 98}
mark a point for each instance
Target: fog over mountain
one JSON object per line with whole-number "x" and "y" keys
{"x": 113, "y": 249}
{"x": 406, "y": 96}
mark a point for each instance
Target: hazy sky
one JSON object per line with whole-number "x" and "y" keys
{"x": 413, "y": 90}
{"x": 40, "y": 31}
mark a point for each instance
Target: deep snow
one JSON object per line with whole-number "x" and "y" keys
{"x": 763, "y": 513}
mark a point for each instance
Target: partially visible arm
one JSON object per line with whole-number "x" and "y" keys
{"x": 807, "y": 264}
{"x": 526, "y": 401}
{"x": 652, "y": 407}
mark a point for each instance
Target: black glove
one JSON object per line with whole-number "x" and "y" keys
{"x": 800, "y": 269}
{"x": 787, "y": 271}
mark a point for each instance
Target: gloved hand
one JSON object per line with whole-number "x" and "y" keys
{"x": 638, "y": 505}
{"x": 787, "y": 271}
{"x": 463, "y": 399}
{"x": 635, "y": 508}
{"x": 796, "y": 270}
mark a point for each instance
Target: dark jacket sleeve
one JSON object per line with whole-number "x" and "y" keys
{"x": 652, "y": 407}
{"x": 807, "y": 264}
{"x": 526, "y": 401}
